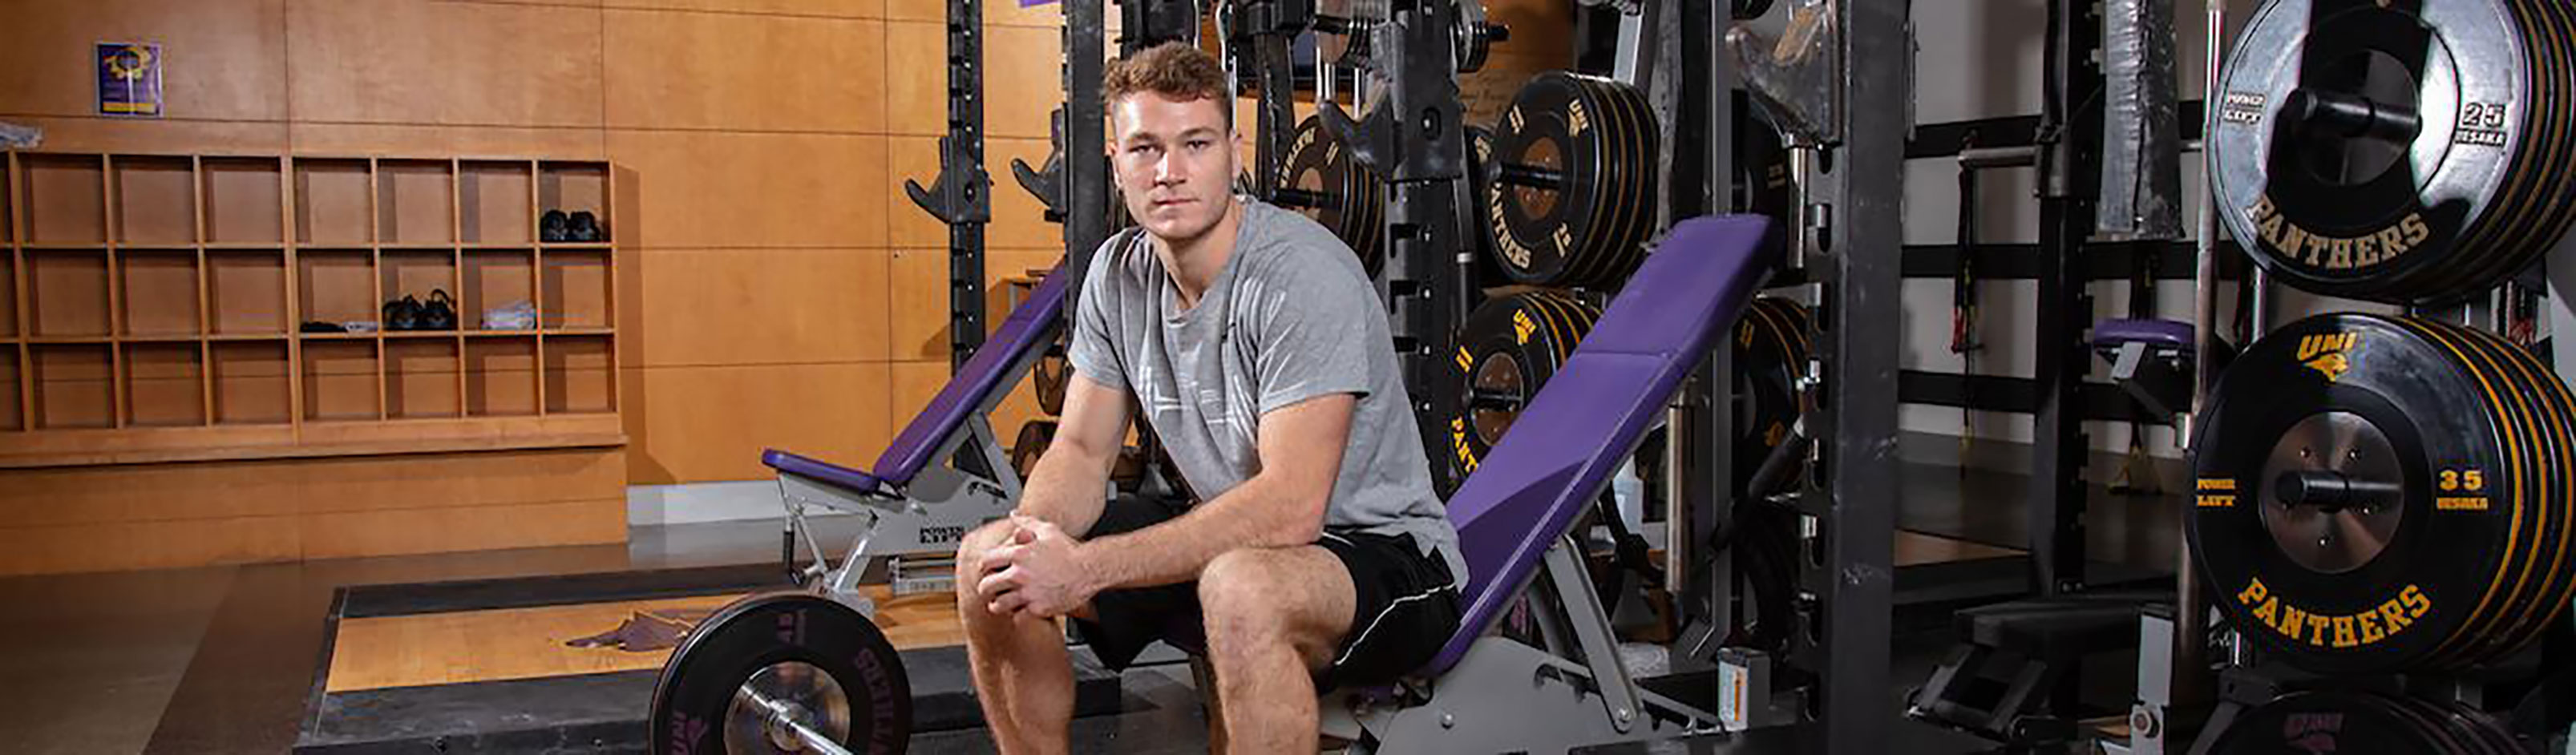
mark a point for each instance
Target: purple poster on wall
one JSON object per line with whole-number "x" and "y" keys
{"x": 129, "y": 79}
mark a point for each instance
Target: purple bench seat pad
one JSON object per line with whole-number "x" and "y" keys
{"x": 1030, "y": 326}
{"x": 1531, "y": 487}
{"x": 2114, "y": 333}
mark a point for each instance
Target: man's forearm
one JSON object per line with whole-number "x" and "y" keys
{"x": 1248, "y": 516}
{"x": 1067, "y": 487}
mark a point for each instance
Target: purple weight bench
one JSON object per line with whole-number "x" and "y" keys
{"x": 1517, "y": 513}
{"x": 943, "y": 476}
{"x": 2151, "y": 360}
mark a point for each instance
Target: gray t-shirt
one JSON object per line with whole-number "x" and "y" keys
{"x": 1291, "y": 317}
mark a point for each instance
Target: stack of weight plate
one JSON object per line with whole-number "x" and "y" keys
{"x": 2410, "y": 152}
{"x": 2362, "y": 723}
{"x": 2386, "y": 494}
{"x": 1571, "y": 179}
{"x": 1336, "y": 191}
{"x": 2383, "y": 495}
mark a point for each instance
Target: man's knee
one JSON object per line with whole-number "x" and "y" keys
{"x": 971, "y": 550}
{"x": 1246, "y": 596}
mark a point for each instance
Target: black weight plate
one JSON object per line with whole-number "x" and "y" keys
{"x": 1480, "y": 193}
{"x": 1645, "y": 147}
{"x": 2524, "y": 222}
{"x": 1611, "y": 126}
{"x": 2378, "y": 590}
{"x": 1762, "y": 181}
{"x": 1047, "y": 379}
{"x": 2463, "y": 199}
{"x": 2521, "y": 482}
{"x": 2542, "y": 585}
{"x": 1322, "y": 165}
{"x": 1502, "y": 356}
{"x": 1768, "y": 356}
{"x": 1565, "y": 327}
{"x": 1035, "y": 435}
{"x": 1627, "y": 126}
{"x": 1540, "y": 234}
{"x": 2344, "y": 723}
{"x": 805, "y": 643}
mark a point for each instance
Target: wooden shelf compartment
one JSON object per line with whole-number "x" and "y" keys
{"x": 415, "y": 201}
{"x": 334, "y": 201}
{"x": 67, "y": 292}
{"x": 336, "y": 286}
{"x": 155, "y": 199}
{"x": 164, "y": 384}
{"x": 343, "y": 380}
{"x": 159, "y": 292}
{"x": 496, "y": 202}
{"x": 422, "y": 378}
{"x": 249, "y": 383}
{"x": 13, "y": 415}
{"x": 246, "y": 292}
{"x": 8, "y": 200}
{"x": 243, "y": 200}
{"x": 415, "y": 273}
{"x": 578, "y": 289}
{"x": 8, "y": 293}
{"x": 150, "y": 307}
{"x": 63, "y": 198}
{"x": 580, "y": 374}
{"x": 72, "y": 386}
{"x": 501, "y": 376}
{"x": 494, "y": 279}
{"x": 576, "y": 187}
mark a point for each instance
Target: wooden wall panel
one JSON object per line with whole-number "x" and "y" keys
{"x": 433, "y": 530}
{"x": 407, "y": 61}
{"x": 1023, "y": 79}
{"x": 224, "y": 61}
{"x": 917, "y": 295}
{"x": 67, "y": 134}
{"x": 822, "y": 8}
{"x": 999, "y": 13}
{"x": 738, "y": 306}
{"x": 708, "y": 190}
{"x": 147, "y": 545}
{"x": 760, "y": 73}
{"x": 193, "y": 514}
{"x": 710, "y": 423}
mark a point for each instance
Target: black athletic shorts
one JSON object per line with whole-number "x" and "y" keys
{"x": 1406, "y": 609}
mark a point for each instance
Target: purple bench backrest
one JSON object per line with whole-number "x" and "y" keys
{"x": 974, "y": 390}
{"x": 1532, "y": 486}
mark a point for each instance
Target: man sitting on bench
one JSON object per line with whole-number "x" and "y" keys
{"x": 1259, "y": 352}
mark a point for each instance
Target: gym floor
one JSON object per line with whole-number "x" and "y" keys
{"x": 221, "y": 660}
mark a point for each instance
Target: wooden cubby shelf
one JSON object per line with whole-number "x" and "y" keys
{"x": 154, "y": 307}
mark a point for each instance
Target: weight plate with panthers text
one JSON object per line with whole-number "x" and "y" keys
{"x": 2378, "y": 494}
{"x": 1500, "y": 358}
{"x": 1334, "y": 190}
{"x": 2409, "y": 151}
{"x": 1573, "y": 176}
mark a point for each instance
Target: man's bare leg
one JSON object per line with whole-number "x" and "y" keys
{"x": 1274, "y": 615}
{"x": 1023, "y": 676}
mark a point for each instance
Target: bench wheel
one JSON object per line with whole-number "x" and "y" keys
{"x": 774, "y": 673}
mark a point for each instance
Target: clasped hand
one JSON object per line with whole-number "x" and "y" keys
{"x": 1037, "y": 572}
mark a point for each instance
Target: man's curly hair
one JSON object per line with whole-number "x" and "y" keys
{"x": 1172, "y": 69}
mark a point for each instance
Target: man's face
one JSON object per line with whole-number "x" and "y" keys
{"x": 1174, "y": 161}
